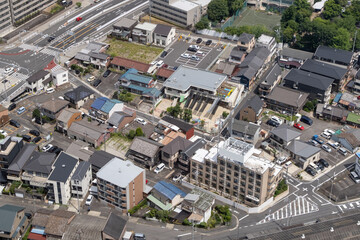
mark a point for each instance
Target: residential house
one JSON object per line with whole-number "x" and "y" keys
{"x": 165, "y": 196}
{"x": 81, "y": 180}
{"x": 350, "y": 139}
{"x": 102, "y": 108}
{"x": 251, "y": 110}
{"x": 121, "y": 184}
{"x": 333, "y": 55}
{"x": 246, "y": 42}
{"x": 126, "y": 64}
{"x": 318, "y": 87}
{"x": 332, "y": 113}
{"x": 282, "y": 136}
{"x": 52, "y": 108}
{"x": 327, "y": 70}
{"x": 94, "y": 54}
{"x": 171, "y": 151}
{"x": 251, "y": 67}
{"x": 283, "y": 99}
{"x": 237, "y": 55}
{"x": 237, "y": 159}
{"x": 163, "y": 35}
{"x": 199, "y": 204}
{"x": 245, "y": 131}
{"x": 99, "y": 60}
{"x": 145, "y": 151}
{"x": 354, "y": 85}
{"x": 15, "y": 169}
{"x": 189, "y": 152}
{"x": 80, "y": 150}
{"x": 9, "y": 149}
{"x": 37, "y": 169}
{"x": 143, "y": 33}
{"x": 91, "y": 132}
{"x": 163, "y": 74}
{"x": 13, "y": 222}
{"x": 59, "y": 181}
{"x": 60, "y": 76}
{"x": 79, "y": 96}
{"x": 122, "y": 29}
{"x": 98, "y": 160}
{"x": 348, "y": 101}
{"x": 118, "y": 120}
{"x": 184, "y": 127}
{"x": 39, "y": 81}
{"x": 114, "y": 228}
{"x": 4, "y": 116}
{"x": 66, "y": 117}
{"x": 226, "y": 67}
{"x": 293, "y": 58}
{"x": 271, "y": 79}
{"x": 303, "y": 153}
{"x": 268, "y": 42}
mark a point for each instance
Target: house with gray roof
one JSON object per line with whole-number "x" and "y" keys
{"x": 171, "y": 151}
{"x": 251, "y": 110}
{"x": 270, "y": 80}
{"x": 59, "y": 181}
{"x": 293, "y": 58}
{"x": 81, "y": 180}
{"x": 9, "y": 149}
{"x": 283, "y": 99}
{"x": 332, "y": 113}
{"x": 39, "y": 81}
{"x": 122, "y": 29}
{"x": 303, "y": 153}
{"x": 165, "y": 196}
{"x": 199, "y": 204}
{"x": 251, "y": 67}
{"x": 99, "y": 159}
{"x": 350, "y": 139}
{"x": 114, "y": 228}
{"x": 145, "y": 151}
{"x": 333, "y": 55}
{"x": 119, "y": 119}
{"x": 246, "y": 42}
{"x": 80, "y": 150}
{"x": 237, "y": 55}
{"x": 94, "y": 54}
{"x": 163, "y": 35}
{"x": 65, "y": 118}
{"x": 78, "y": 96}
{"x": 53, "y": 107}
{"x": 245, "y": 131}
{"x": 15, "y": 169}
{"x": 318, "y": 87}
{"x": 185, "y": 156}
{"x": 13, "y": 222}
{"x": 283, "y": 135}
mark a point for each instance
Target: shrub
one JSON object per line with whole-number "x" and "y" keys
{"x": 202, "y": 225}
{"x": 282, "y": 187}
{"x": 137, "y": 207}
{"x": 186, "y": 222}
{"x": 131, "y": 134}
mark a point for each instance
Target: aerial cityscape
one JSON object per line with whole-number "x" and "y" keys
{"x": 179, "y": 119}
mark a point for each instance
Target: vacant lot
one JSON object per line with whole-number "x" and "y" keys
{"x": 135, "y": 51}
{"x": 253, "y": 17}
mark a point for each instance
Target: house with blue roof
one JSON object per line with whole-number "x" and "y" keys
{"x": 165, "y": 196}
{"x": 102, "y": 108}
{"x": 13, "y": 222}
{"x": 143, "y": 85}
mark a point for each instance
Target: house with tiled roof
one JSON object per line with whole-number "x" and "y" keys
{"x": 78, "y": 96}
{"x": 164, "y": 73}
{"x": 53, "y": 107}
{"x": 121, "y": 63}
{"x": 145, "y": 151}
{"x": 333, "y": 55}
{"x": 246, "y": 42}
{"x": 163, "y": 35}
{"x": 171, "y": 151}
{"x": 165, "y": 196}
{"x": 103, "y": 107}
{"x": 66, "y": 117}
{"x": 13, "y": 222}
{"x": 303, "y": 153}
{"x": 39, "y": 81}
{"x": 80, "y": 180}
{"x": 251, "y": 110}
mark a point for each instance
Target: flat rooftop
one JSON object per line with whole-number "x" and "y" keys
{"x": 183, "y": 5}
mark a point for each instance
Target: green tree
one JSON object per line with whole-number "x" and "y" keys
{"x": 78, "y": 4}
{"x": 131, "y": 134}
{"x": 36, "y": 113}
{"x": 234, "y": 5}
{"x": 139, "y": 132}
{"x": 288, "y": 34}
{"x": 225, "y": 114}
{"x": 187, "y": 115}
{"x": 203, "y": 23}
{"x": 2, "y": 136}
{"x": 175, "y": 111}
{"x": 217, "y": 10}
{"x": 331, "y": 9}
{"x": 341, "y": 39}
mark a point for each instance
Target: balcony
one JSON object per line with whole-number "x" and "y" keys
{"x": 13, "y": 177}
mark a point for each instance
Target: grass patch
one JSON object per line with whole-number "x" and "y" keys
{"x": 57, "y": 8}
{"x": 282, "y": 187}
{"x": 134, "y": 51}
{"x": 142, "y": 204}
{"x": 255, "y": 17}
{"x": 287, "y": 117}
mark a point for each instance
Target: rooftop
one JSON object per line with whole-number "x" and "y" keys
{"x": 145, "y": 146}
{"x": 246, "y": 37}
{"x": 337, "y": 55}
{"x": 302, "y": 149}
{"x": 133, "y": 75}
{"x": 22, "y": 157}
{"x": 253, "y": 62}
{"x": 80, "y": 171}
{"x": 8, "y": 213}
{"x": 295, "y": 53}
{"x": 255, "y": 103}
{"x": 40, "y": 162}
{"x": 324, "y": 69}
{"x": 66, "y": 114}
{"x": 185, "y": 77}
{"x": 128, "y": 63}
{"x": 184, "y": 126}
{"x": 286, "y": 132}
{"x": 162, "y": 29}
{"x": 54, "y": 105}
{"x": 125, "y": 22}
{"x": 184, "y": 5}
{"x": 176, "y": 145}
{"x": 114, "y": 226}
{"x": 202, "y": 200}
{"x": 89, "y": 130}
{"x": 288, "y": 96}
{"x": 146, "y": 26}
{"x": 119, "y": 172}
{"x": 164, "y": 72}
{"x": 80, "y": 150}
{"x": 248, "y": 128}
{"x": 272, "y": 76}
{"x": 63, "y": 167}
{"x": 37, "y": 76}
{"x": 79, "y": 93}
{"x": 100, "y": 158}
{"x": 309, "y": 79}
{"x": 265, "y": 39}
{"x": 168, "y": 190}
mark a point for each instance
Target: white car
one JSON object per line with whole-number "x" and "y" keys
{"x": 8, "y": 70}
{"x": 50, "y": 90}
{"x": 276, "y": 119}
{"x": 141, "y": 121}
{"x": 335, "y": 145}
{"x": 177, "y": 177}
{"x": 193, "y": 57}
{"x": 89, "y": 200}
{"x": 160, "y": 63}
{"x": 159, "y": 168}
{"x": 153, "y": 62}
{"x": 185, "y": 55}
{"x": 47, "y": 147}
{"x": 326, "y": 135}
{"x": 195, "y": 46}
{"x": 287, "y": 164}
{"x": 2, "y": 132}
{"x": 326, "y": 148}
{"x": 313, "y": 142}
{"x": 281, "y": 160}
{"x": 90, "y": 79}
{"x": 332, "y": 132}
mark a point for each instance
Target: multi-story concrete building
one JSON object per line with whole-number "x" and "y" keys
{"x": 81, "y": 180}
{"x": 232, "y": 170}
{"x": 121, "y": 184}
{"x": 5, "y": 15}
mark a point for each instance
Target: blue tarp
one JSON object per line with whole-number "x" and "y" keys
{"x": 337, "y": 97}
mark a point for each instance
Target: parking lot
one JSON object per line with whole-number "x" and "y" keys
{"x": 148, "y": 128}
{"x": 107, "y": 85}
{"x": 209, "y": 53}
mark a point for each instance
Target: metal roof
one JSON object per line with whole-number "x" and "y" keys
{"x": 79, "y": 93}
{"x": 8, "y": 213}
{"x": 108, "y": 105}
{"x": 324, "y": 69}
{"x": 246, "y": 37}
{"x": 162, "y": 29}
{"x": 133, "y": 76}
{"x": 288, "y": 96}
{"x": 241, "y": 126}
{"x": 184, "y": 126}
{"x": 100, "y": 158}
{"x": 308, "y": 79}
{"x": 176, "y": 145}
{"x": 168, "y": 190}
{"x": 302, "y": 149}
{"x": 63, "y": 167}
{"x": 81, "y": 170}
{"x": 40, "y": 162}
{"x": 99, "y": 102}
{"x": 337, "y": 55}
{"x": 22, "y": 157}
{"x": 285, "y": 132}
{"x": 114, "y": 226}
{"x": 37, "y": 76}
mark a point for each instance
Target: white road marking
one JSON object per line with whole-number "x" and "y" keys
{"x": 317, "y": 199}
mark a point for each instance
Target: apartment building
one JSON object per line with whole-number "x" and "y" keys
{"x": 121, "y": 184}
{"x": 5, "y": 15}
{"x": 233, "y": 170}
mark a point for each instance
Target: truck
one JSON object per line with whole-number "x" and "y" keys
{"x": 318, "y": 139}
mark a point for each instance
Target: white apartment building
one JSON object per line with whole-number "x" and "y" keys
{"x": 81, "y": 180}
{"x": 60, "y": 76}
{"x": 143, "y": 33}
{"x": 268, "y": 42}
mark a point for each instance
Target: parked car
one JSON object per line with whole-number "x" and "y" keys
{"x": 191, "y": 49}
{"x": 50, "y": 39}
{"x": 287, "y": 164}
{"x": 193, "y": 57}
{"x": 195, "y": 46}
{"x": 58, "y": 151}
{"x": 2, "y": 132}
{"x": 15, "y": 123}
{"x": 343, "y": 151}
{"x": 139, "y": 236}
{"x": 277, "y": 119}
{"x": 324, "y": 162}
{"x": 106, "y": 73}
{"x": 326, "y": 148}
{"x": 141, "y": 121}
{"x": 34, "y": 132}
{"x": 160, "y": 63}
{"x": 320, "y": 165}
{"x": 89, "y": 200}
{"x": 153, "y": 63}
{"x": 325, "y": 135}
{"x": 318, "y": 139}
{"x": 8, "y": 70}
{"x": 310, "y": 171}
{"x": 53, "y": 149}
{"x": 163, "y": 54}
{"x": 47, "y": 147}
{"x": 78, "y": 19}
{"x": 26, "y": 138}
{"x": 165, "y": 66}
{"x": 208, "y": 42}
{"x": 306, "y": 120}
{"x": 335, "y": 145}
{"x": 12, "y": 106}
{"x": 91, "y": 78}
{"x": 159, "y": 168}
{"x": 36, "y": 139}
{"x": 21, "y": 110}
{"x": 185, "y": 55}
{"x": 199, "y": 40}
{"x": 177, "y": 177}
{"x": 272, "y": 123}
{"x": 314, "y": 143}
{"x": 355, "y": 177}
{"x": 298, "y": 126}
{"x": 332, "y": 132}
{"x": 97, "y": 82}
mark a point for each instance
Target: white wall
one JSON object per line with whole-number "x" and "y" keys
{"x": 118, "y": 107}
{"x": 60, "y": 78}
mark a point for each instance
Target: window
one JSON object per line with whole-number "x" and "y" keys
{"x": 207, "y": 169}
{"x": 222, "y": 162}
{"x": 228, "y": 171}
{"x": 257, "y": 189}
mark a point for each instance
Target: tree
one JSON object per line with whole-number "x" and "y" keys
{"x": 187, "y": 115}
{"x": 175, "y": 111}
{"x": 225, "y": 114}
{"x": 36, "y": 113}
{"x": 217, "y": 10}
{"x": 203, "y": 23}
{"x": 78, "y": 4}
{"x": 139, "y": 132}
{"x": 288, "y": 34}
{"x": 234, "y": 5}
{"x": 331, "y": 9}
{"x": 2, "y": 136}
{"x": 131, "y": 134}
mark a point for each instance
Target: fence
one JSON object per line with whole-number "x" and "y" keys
{"x": 237, "y": 14}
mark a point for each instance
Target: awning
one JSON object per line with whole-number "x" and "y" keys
{"x": 162, "y": 206}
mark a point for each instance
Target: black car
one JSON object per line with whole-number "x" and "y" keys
{"x": 199, "y": 40}
{"x": 106, "y": 73}
{"x": 40, "y": 121}
{"x": 96, "y": 82}
{"x": 15, "y": 123}
{"x": 208, "y": 42}
{"x": 50, "y": 39}
{"x": 192, "y": 49}
{"x": 57, "y": 151}
{"x": 36, "y": 140}
{"x": 53, "y": 149}
{"x": 34, "y": 132}
{"x": 163, "y": 54}
{"x": 272, "y": 123}
{"x": 26, "y": 138}
{"x": 320, "y": 165}
{"x": 310, "y": 171}
{"x": 12, "y": 106}
{"x": 324, "y": 162}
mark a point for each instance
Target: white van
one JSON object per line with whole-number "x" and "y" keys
{"x": 159, "y": 168}
{"x": 326, "y": 135}
{"x": 342, "y": 151}
{"x": 50, "y": 90}
{"x": 355, "y": 177}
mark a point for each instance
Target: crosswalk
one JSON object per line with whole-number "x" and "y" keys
{"x": 349, "y": 206}
{"x": 30, "y": 47}
{"x": 299, "y": 206}
{"x": 49, "y": 52}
